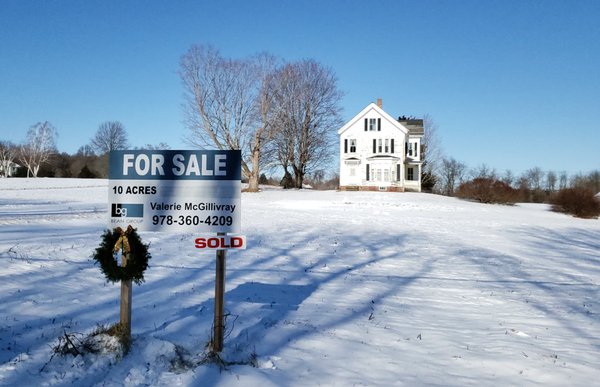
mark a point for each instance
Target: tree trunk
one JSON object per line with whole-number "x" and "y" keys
{"x": 287, "y": 181}
{"x": 255, "y": 173}
{"x": 299, "y": 180}
{"x": 298, "y": 176}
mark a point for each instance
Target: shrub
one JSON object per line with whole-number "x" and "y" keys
{"x": 488, "y": 190}
{"x": 579, "y": 202}
{"x": 86, "y": 173}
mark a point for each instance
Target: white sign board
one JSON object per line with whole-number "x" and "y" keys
{"x": 175, "y": 190}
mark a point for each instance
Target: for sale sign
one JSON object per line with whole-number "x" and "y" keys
{"x": 175, "y": 190}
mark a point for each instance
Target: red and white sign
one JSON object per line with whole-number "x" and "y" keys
{"x": 225, "y": 242}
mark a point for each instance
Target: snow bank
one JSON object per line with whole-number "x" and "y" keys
{"x": 335, "y": 288}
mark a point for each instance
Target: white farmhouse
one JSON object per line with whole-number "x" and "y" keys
{"x": 8, "y": 168}
{"x": 380, "y": 153}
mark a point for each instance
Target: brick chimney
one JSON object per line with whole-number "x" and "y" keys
{"x": 379, "y": 102}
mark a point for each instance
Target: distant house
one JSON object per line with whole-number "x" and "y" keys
{"x": 8, "y": 168}
{"x": 378, "y": 152}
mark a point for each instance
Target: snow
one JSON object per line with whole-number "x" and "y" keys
{"x": 335, "y": 288}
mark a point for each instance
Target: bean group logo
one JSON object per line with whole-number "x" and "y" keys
{"x": 127, "y": 210}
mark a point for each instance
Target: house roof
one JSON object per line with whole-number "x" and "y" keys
{"x": 380, "y": 111}
{"x": 414, "y": 126}
{"x": 11, "y": 164}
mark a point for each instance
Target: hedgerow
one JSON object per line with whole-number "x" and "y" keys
{"x": 579, "y": 202}
{"x": 488, "y": 190}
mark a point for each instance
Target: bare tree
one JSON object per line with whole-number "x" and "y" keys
{"x": 452, "y": 174}
{"x": 159, "y": 146}
{"x": 508, "y": 177}
{"x": 86, "y": 151}
{"x": 563, "y": 180}
{"x": 534, "y": 176}
{"x": 306, "y": 99}
{"x": 590, "y": 181}
{"x": 84, "y": 162}
{"x": 39, "y": 146}
{"x": 111, "y": 135}
{"x": 431, "y": 152}
{"x": 484, "y": 171}
{"x": 551, "y": 179}
{"x": 227, "y": 104}
{"x": 8, "y": 154}
{"x": 594, "y": 181}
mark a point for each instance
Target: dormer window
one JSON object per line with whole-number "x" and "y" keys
{"x": 373, "y": 124}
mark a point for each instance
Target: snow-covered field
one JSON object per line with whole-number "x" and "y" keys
{"x": 335, "y": 289}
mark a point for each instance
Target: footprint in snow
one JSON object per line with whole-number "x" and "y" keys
{"x": 519, "y": 333}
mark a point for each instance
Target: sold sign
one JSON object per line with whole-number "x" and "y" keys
{"x": 225, "y": 242}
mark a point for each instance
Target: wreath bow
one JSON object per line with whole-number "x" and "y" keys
{"x": 123, "y": 241}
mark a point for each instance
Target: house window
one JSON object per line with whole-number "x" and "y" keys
{"x": 386, "y": 174}
{"x": 352, "y": 145}
{"x": 379, "y": 175}
{"x": 410, "y": 174}
{"x": 372, "y": 124}
{"x": 379, "y": 146}
{"x": 387, "y": 146}
{"x": 411, "y": 149}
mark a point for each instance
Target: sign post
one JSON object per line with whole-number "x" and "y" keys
{"x": 179, "y": 191}
{"x": 126, "y": 296}
{"x": 219, "y": 321}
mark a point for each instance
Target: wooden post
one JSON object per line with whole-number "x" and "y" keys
{"x": 219, "y": 321}
{"x": 126, "y": 291}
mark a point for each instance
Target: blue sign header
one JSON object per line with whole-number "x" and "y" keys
{"x": 175, "y": 165}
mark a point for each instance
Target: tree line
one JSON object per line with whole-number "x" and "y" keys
{"x": 444, "y": 175}
{"x": 37, "y": 155}
{"x": 533, "y": 185}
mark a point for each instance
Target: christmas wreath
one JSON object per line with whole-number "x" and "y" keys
{"x": 126, "y": 243}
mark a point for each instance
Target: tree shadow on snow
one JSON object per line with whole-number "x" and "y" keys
{"x": 299, "y": 270}
{"x": 554, "y": 277}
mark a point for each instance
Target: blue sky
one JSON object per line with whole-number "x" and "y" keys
{"x": 510, "y": 84}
